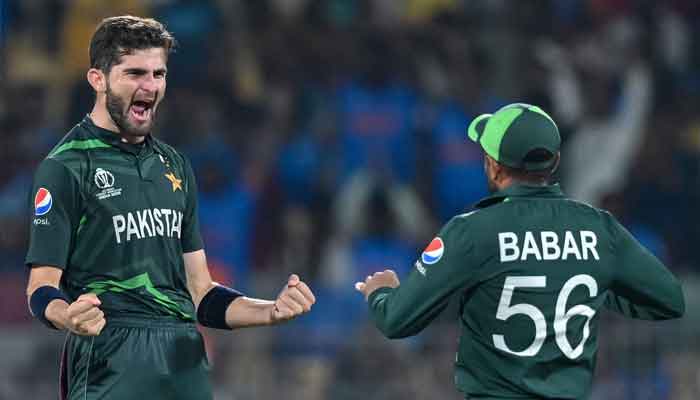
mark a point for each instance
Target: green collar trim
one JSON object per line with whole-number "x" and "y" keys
{"x": 521, "y": 190}
{"x": 113, "y": 138}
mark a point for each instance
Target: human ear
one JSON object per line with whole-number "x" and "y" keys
{"x": 97, "y": 80}
{"x": 493, "y": 169}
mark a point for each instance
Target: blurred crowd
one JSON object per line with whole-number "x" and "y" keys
{"x": 329, "y": 136}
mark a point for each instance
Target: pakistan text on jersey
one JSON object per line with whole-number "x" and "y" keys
{"x": 147, "y": 223}
{"x": 547, "y": 246}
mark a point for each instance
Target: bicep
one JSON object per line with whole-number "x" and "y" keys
{"x": 43, "y": 275}
{"x": 198, "y": 277}
{"x": 56, "y": 204}
{"x": 191, "y": 236}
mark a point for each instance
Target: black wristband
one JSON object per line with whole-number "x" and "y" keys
{"x": 212, "y": 309}
{"x": 41, "y": 298}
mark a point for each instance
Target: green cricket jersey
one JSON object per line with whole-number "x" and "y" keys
{"x": 534, "y": 269}
{"x": 117, "y": 218}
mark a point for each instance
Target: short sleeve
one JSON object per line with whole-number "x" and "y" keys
{"x": 55, "y": 204}
{"x": 191, "y": 236}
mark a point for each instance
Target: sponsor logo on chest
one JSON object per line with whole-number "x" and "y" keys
{"x": 148, "y": 223}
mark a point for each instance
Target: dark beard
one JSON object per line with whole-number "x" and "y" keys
{"x": 118, "y": 110}
{"x": 492, "y": 186}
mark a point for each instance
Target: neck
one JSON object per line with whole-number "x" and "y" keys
{"x": 510, "y": 182}
{"x": 505, "y": 183}
{"x": 101, "y": 118}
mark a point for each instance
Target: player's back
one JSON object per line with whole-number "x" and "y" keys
{"x": 543, "y": 268}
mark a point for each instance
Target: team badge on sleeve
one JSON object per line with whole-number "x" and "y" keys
{"x": 433, "y": 253}
{"x": 42, "y": 202}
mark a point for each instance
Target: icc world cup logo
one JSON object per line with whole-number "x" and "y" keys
{"x": 104, "y": 179}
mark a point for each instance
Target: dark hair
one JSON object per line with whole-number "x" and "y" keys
{"x": 119, "y": 36}
{"x": 541, "y": 176}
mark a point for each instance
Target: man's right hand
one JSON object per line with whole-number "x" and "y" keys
{"x": 83, "y": 316}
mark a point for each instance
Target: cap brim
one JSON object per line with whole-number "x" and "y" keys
{"x": 477, "y": 126}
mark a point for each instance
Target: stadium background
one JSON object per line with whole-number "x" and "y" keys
{"x": 329, "y": 140}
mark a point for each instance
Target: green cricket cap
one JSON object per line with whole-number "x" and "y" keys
{"x": 512, "y": 132}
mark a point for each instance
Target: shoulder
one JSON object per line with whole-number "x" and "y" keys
{"x": 69, "y": 155}
{"x": 465, "y": 218}
{"x": 584, "y": 207}
{"x": 480, "y": 216}
{"x": 75, "y": 145}
{"x": 593, "y": 213}
{"x": 54, "y": 176}
{"x": 460, "y": 224}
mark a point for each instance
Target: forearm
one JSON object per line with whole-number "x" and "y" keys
{"x": 42, "y": 276}
{"x": 629, "y": 309}
{"x": 222, "y": 307}
{"x": 661, "y": 302}
{"x": 50, "y": 306}
{"x": 55, "y": 312}
{"x": 248, "y": 312}
{"x": 382, "y": 315}
{"x": 398, "y": 315}
{"x": 647, "y": 290}
{"x": 242, "y": 311}
{"x": 655, "y": 294}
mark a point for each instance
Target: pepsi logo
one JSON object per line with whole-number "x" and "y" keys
{"x": 433, "y": 253}
{"x": 42, "y": 202}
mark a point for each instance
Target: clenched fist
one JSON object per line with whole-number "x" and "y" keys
{"x": 294, "y": 299}
{"x": 83, "y": 316}
{"x": 387, "y": 278}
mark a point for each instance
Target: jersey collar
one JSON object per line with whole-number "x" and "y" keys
{"x": 113, "y": 139}
{"x": 521, "y": 190}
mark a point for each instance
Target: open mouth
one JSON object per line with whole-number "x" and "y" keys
{"x": 141, "y": 110}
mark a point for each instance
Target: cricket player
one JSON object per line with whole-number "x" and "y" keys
{"x": 115, "y": 251}
{"x": 533, "y": 267}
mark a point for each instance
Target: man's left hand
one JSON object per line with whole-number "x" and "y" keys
{"x": 387, "y": 278}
